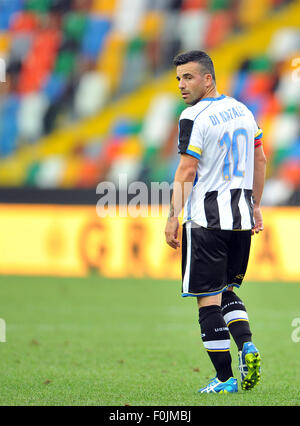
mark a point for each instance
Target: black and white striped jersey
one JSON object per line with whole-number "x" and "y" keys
{"x": 222, "y": 134}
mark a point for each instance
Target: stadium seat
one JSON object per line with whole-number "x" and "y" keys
{"x": 261, "y": 64}
{"x": 132, "y": 147}
{"x": 47, "y": 40}
{"x": 295, "y": 150}
{"x": 174, "y": 5}
{"x": 91, "y": 95}
{"x": 30, "y": 116}
{"x": 169, "y": 41}
{"x": 124, "y": 166}
{"x": 159, "y": 5}
{"x": 289, "y": 171}
{"x": 272, "y": 106}
{"x": 238, "y": 83}
{"x": 93, "y": 148}
{"x": 192, "y": 29}
{"x": 112, "y": 149}
{"x": 39, "y": 61}
{"x": 82, "y": 6}
{"x": 258, "y": 85}
{"x": 122, "y": 128}
{"x": 194, "y": 4}
{"x": 288, "y": 90}
{"x": 216, "y": 5}
{"x": 39, "y": 6}
{"x": 219, "y": 27}
{"x": 50, "y": 172}
{"x": 74, "y": 25}
{"x": 128, "y": 14}
{"x": 284, "y": 44}
{"x": 9, "y": 126}
{"x": 20, "y": 47}
{"x": 155, "y": 131}
{"x": 65, "y": 62}
{"x": 285, "y": 130}
{"x": 111, "y": 59}
{"x": 104, "y": 7}
{"x": 87, "y": 174}
{"x": 24, "y": 22}
{"x": 32, "y": 75}
{"x": 135, "y": 66}
{"x": 251, "y": 12}
{"x": 276, "y": 192}
{"x": 5, "y": 43}
{"x": 4, "y": 21}
{"x": 70, "y": 172}
{"x": 151, "y": 25}
{"x": 277, "y": 3}
{"x": 30, "y": 176}
{"x": 96, "y": 31}
{"x": 7, "y": 10}
{"x": 54, "y": 87}
{"x": 60, "y": 6}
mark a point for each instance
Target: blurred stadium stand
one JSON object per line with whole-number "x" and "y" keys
{"x": 90, "y": 89}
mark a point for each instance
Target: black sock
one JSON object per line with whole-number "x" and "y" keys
{"x": 236, "y": 318}
{"x": 216, "y": 340}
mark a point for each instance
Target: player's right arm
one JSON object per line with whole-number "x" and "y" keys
{"x": 258, "y": 186}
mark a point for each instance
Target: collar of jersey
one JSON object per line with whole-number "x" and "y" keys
{"x": 213, "y": 99}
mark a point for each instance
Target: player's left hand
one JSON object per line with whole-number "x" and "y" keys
{"x": 171, "y": 232}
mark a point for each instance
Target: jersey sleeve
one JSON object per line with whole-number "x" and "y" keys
{"x": 190, "y": 140}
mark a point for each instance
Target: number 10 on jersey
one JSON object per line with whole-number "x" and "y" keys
{"x": 240, "y": 136}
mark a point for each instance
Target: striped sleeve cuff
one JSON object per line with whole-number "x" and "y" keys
{"x": 194, "y": 151}
{"x": 257, "y": 138}
{"x": 258, "y": 134}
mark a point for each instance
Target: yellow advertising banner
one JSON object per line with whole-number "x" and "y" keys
{"x": 73, "y": 241}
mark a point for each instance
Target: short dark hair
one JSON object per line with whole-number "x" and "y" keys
{"x": 196, "y": 56}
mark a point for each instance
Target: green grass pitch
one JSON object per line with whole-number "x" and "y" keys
{"x": 96, "y": 341}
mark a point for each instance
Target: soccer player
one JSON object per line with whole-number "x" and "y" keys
{"x": 219, "y": 183}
